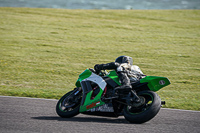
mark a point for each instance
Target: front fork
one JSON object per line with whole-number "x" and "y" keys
{"x": 77, "y": 90}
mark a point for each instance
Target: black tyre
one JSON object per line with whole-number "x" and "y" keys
{"x": 146, "y": 111}
{"x": 69, "y": 104}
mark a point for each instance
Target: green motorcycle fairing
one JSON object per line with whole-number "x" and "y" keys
{"x": 88, "y": 102}
{"x": 155, "y": 83}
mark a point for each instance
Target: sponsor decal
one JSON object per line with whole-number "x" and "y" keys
{"x": 103, "y": 108}
{"x": 161, "y": 82}
{"x": 92, "y": 105}
{"x": 98, "y": 103}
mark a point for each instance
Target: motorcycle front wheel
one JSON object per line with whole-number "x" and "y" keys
{"x": 144, "y": 112}
{"x": 69, "y": 104}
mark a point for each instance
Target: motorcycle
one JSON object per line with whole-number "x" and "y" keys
{"x": 95, "y": 95}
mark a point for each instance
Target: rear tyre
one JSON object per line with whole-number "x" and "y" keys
{"x": 146, "y": 111}
{"x": 69, "y": 104}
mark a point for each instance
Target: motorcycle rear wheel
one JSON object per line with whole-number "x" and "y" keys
{"x": 68, "y": 105}
{"x": 146, "y": 111}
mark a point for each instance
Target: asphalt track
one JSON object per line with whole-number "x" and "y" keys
{"x": 30, "y": 115}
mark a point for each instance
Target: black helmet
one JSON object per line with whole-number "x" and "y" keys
{"x": 124, "y": 59}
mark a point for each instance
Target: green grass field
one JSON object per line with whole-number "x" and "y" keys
{"x": 42, "y": 51}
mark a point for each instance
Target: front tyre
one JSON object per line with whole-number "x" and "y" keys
{"x": 69, "y": 104}
{"x": 146, "y": 111}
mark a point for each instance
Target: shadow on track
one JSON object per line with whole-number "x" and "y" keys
{"x": 84, "y": 119}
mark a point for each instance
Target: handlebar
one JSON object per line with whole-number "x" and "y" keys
{"x": 100, "y": 73}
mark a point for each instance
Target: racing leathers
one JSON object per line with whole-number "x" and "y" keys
{"x": 125, "y": 73}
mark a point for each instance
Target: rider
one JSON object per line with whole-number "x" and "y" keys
{"x": 126, "y": 71}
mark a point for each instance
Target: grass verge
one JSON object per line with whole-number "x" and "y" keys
{"x": 42, "y": 51}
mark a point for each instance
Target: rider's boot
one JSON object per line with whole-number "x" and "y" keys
{"x": 122, "y": 90}
{"x": 135, "y": 100}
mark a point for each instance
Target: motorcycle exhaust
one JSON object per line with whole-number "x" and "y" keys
{"x": 163, "y": 102}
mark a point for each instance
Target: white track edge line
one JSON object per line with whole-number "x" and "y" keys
{"x": 181, "y": 110}
{"x": 31, "y": 98}
{"x": 57, "y": 100}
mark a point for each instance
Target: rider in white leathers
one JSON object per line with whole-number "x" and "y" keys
{"x": 126, "y": 71}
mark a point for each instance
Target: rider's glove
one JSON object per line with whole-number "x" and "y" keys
{"x": 98, "y": 68}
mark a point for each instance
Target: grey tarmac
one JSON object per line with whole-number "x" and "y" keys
{"x": 32, "y": 115}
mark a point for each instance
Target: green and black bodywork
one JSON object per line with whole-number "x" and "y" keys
{"x": 94, "y": 92}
